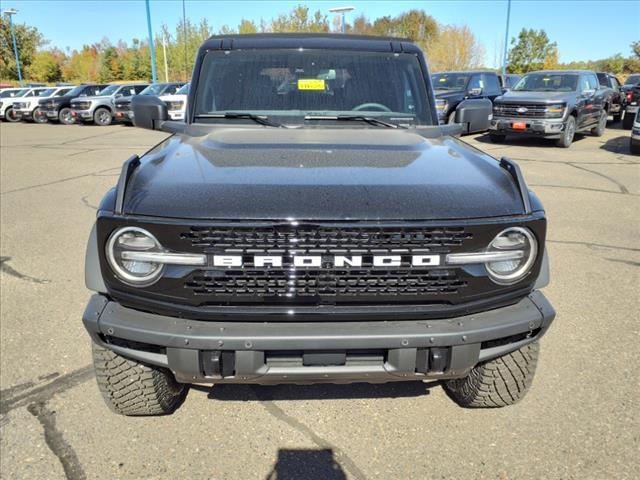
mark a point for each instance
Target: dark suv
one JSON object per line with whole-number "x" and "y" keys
{"x": 310, "y": 222}
{"x": 58, "y": 109}
{"x": 452, "y": 88}
{"x": 551, "y": 104}
{"x": 614, "y": 99}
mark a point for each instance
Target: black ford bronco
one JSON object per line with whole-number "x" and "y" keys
{"x": 311, "y": 222}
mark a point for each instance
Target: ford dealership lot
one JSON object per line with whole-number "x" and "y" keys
{"x": 579, "y": 421}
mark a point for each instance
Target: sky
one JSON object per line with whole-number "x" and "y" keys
{"x": 583, "y": 29}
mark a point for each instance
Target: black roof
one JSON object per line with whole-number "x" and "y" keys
{"x": 335, "y": 41}
{"x": 466, "y": 71}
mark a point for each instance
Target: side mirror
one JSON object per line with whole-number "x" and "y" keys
{"x": 475, "y": 92}
{"x": 475, "y": 114}
{"x": 148, "y": 112}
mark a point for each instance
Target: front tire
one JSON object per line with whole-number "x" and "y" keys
{"x": 496, "y": 383}
{"x": 133, "y": 388}
{"x": 39, "y": 117}
{"x": 599, "y": 129}
{"x": 569, "y": 132}
{"x": 102, "y": 117}
{"x": 11, "y": 116}
{"x": 65, "y": 117}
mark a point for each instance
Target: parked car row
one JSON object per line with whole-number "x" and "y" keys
{"x": 549, "y": 104}
{"x": 100, "y": 104}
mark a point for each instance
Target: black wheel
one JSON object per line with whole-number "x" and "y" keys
{"x": 634, "y": 147}
{"x": 497, "y": 138}
{"x": 10, "y": 115}
{"x": 64, "y": 115}
{"x": 497, "y": 383}
{"x": 102, "y": 117}
{"x": 569, "y": 132}
{"x": 39, "y": 116}
{"x": 599, "y": 129}
{"x": 136, "y": 389}
{"x": 617, "y": 117}
{"x": 627, "y": 121}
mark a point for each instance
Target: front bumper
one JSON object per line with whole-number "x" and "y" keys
{"x": 632, "y": 108}
{"x": 541, "y": 127}
{"x": 50, "y": 112}
{"x": 176, "y": 114}
{"x": 123, "y": 115}
{"x": 82, "y": 114}
{"x": 316, "y": 352}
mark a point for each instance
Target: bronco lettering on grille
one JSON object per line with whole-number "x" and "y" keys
{"x": 318, "y": 261}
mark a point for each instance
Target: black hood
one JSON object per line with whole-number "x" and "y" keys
{"x": 513, "y": 96}
{"x": 319, "y": 174}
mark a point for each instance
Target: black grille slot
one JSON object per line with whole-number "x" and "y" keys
{"x": 324, "y": 240}
{"x": 325, "y": 283}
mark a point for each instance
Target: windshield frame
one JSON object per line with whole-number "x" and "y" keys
{"x": 423, "y": 116}
{"x": 519, "y": 88}
{"x": 114, "y": 87}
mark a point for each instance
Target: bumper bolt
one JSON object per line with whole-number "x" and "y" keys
{"x": 186, "y": 341}
{"x": 248, "y": 344}
{"x": 405, "y": 342}
{"x": 110, "y": 331}
{"x": 464, "y": 338}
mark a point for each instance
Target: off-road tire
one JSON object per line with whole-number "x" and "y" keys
{"x": 64, "y": 116}
{"x": 599, "y": 129}
{"x": 617, "y": 117}
{"x": 496, "y": 383}
{"x": 133, "y": 388}
{"x": 38, "y": 116}
{"x": 102, "y": 117}
{"x": 634, "y": 148}
{"x": 627, "y": 121}
{"x": 10, "y": 116}
{"x": 568, "y": 133}
{"x": 497, "y": 138}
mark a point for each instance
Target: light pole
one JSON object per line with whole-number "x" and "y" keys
{"x": 506, "y": 39}
{"x": 9, "y": 13}
{"x": 151, "y": 46}
{"x": 342, "y": 11}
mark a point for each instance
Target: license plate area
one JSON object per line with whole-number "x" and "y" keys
{"x": 519, "y": 125}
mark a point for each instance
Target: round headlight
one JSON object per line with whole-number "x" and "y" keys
{"x": 522, "y": 244}
{"x": 136, "y": 272}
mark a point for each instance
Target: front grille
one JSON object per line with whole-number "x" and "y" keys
{"x": 324, "y": 240}
{"x": 325, "y": 283}
{"x": 123, "y": 107}
{"x": 329, "y": 283}
{"x": 81, "y": 105}
{"x": 511, "y": 110}
{"x": 19, "y": 105}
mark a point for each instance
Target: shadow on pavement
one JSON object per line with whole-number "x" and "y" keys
{"x": 516, "y": 141}
{"x": 311, "y": 464}
{"x": 229, "y": 392}
{"x": 618, "y": 144}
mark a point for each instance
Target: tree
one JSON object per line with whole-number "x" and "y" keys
{"x": 530, "y": 52}
{"x": 28, "y": 39}
{"x": 247, "y": 26}
{"x": 46, "y": 66}
{"x": 635, "y": 48}
{"x": 299, "y": 20}
{"x": 455, "y": 48}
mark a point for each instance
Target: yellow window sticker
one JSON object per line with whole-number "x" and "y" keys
{"x": 310, "y": 84}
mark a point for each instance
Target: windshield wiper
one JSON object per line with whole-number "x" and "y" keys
{"x": 262, "y": 120}
{"x": 354, "y": 118}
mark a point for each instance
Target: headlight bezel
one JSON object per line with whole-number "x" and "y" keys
{"x": 124, "y": 275}
{"x": 522, "y": 270}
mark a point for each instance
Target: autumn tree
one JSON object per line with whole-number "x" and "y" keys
{"x": 455, "y": 48}
{"x": 46, "y": 66}
{"x": 300, "y": 20}
{"x": 530, "y": 52}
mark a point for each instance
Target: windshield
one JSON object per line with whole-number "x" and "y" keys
{"x": 511, "y": 80}
{"x": 632, "y": 80}
{"x": 450, "y": 81}
{"x": 155, "y": 89}
{"x": 47, "y": 93}
{"x": 184, "y": 90}
{"x": 547, "y": 82}
{"x": 110, "y": 90}
{"x": 75, "y": 91}
{"x": 13, "y": 93}
{"x": 294, "y": 84}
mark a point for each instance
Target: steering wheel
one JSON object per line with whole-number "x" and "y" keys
{"x": 367, "y": 106}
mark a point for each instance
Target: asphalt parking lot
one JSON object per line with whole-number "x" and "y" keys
{"x": 580, "y": 419}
